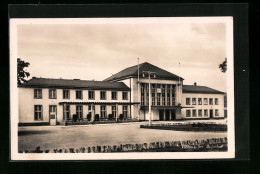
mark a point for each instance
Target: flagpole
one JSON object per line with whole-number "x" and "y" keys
{"x": 138, "y": 91}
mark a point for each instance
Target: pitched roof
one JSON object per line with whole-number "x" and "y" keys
{"x": 74, "y": 84}
{"x": 133, "y": 72}
{"x": 199, "y": 89}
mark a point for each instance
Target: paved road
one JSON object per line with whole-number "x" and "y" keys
{"x": 49, "y": 137}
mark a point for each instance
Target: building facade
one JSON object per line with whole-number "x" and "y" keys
{"x": 53, "y": 101}
{"x": 126, "y": 94}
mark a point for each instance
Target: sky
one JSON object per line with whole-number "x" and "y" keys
{"x": 90, "y": 51}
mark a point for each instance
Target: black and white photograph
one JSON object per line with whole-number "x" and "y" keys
{"x": 122, "y": 88}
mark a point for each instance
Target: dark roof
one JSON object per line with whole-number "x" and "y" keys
{"x": 74, "y": 83}
{"x": 199, "y": 89}
{"x": 133, "y": 72}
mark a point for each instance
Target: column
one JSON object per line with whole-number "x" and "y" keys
{"x": 164, "y": 114}
{"x": 116, "y": 111}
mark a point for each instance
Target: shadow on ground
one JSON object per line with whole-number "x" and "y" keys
{"x": 22, "y": 133}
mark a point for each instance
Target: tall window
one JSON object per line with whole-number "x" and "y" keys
{"x": 216, "y": 112}
{"x": 193, "y": 101}
{"x": 38, "y": 93}
{"x": 125, "y": 111}
{"x": 163, "y": 95}
{"x": 79, "y": 110}
{"x": 142, "y": 94}
{"x": 52, "y": 94}
{"x": 187, "y": 101}
{"x": 205, "y": 101}
{"x": 91, "y": 95}
{"x": 102, "y": 95}
{"x": 114, "y": 95}
{"x": 153, "y": 94}
{"x": 66, "y": 94}
{"x": 66, "y": 112}
{"x": 200, "y": 101}
{"x": 173, "y": 95}
{"x": 211, "y": 101}
{"x": 114, "y": 111}
{"x": 194, "y": 113}
{"x": 103, "y": 111}
{"x": 37, "y": 112}
{"x": 158, "y": 99}
{"x": 200, "y": 112}
{"x": 205, "y": 112}
{"x": 216, "y": 101}
{"x": 187, "y": 113}
{"x": 168, "y": 95}
{"x": 125, "y": 96}
{"x": 147, "y": 94}
{"x": 79, "y": 94}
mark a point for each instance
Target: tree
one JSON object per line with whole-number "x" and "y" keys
{"x": 21, "y": 73}
{"x": 223, "y": 66}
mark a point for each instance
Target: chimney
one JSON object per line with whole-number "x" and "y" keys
{"x": 195, "y": 83}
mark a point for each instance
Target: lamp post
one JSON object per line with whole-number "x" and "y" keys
{"x": 150, "y": 101}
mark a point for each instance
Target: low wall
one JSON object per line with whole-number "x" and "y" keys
{"x": 214, "y": 144}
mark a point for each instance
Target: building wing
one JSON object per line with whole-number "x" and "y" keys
{"x": 199, "y": 89}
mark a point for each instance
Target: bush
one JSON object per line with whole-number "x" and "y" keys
{"x": 110, "y": 116}
{"x": 89, "y": 116}
{"x": 97, "y": 117}
{"x": 121, "y": 116}
{"x": 75, "y": 117}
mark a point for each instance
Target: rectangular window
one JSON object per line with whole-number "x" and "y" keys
{"x": 79, "y": 94}
{"x": 211, "y": 101}
{"x": 193, "y": 101}
{"x": 103, "y": 111}
{"x": 168, "y": 98}
{"x": 52, "y": 94}
{"x": 205, "y": 112}
{"x": 102, "y": 95}
{"x": 114, "y": 111}
{"x": 37, "y": 112}
{"x": 91, "y": 107}
{"x": 114, "y": 95}
{"x": 66, "y": 94}
{"x": 194, "y": 113}
{"x": 66, "y": 112}
{"x": 187, "y": 101}
{"x": 38, "y": 93}
{"x": 147, "y": 94}
{"x": 200, "y": 112}
{"x": 153, "y": 99}
{"x": 142, "y": 94}
{"x": 205, "y": 101}
{"x": 79, "y": 110}
{"x": 200, "y": 101}
{"x": 173, "y": 95}
{"x": 158, "y": 99}
{"x": 125, "y": 111}
{"x": 125, "y": 96}
{"x": 163, "y": 95}
{"x": 91, "y": 95}
{"x": 225, "y": 113}
{"x": 216, "y": 112}
{"x": 216, "y": 101}
{"x": 187, "y": 113}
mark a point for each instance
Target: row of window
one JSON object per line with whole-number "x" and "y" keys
{"x": 38, "y": 111}
{"x": 161, "y": 94}
{"x": 205, "y": 101}
{"x": 199, "y": 113}
{"x": 79, "y": 94}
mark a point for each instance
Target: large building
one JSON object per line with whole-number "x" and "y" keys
{"x": 54, "y": 101}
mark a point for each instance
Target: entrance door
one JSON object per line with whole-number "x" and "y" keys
{"x": 167, "y": 115}
{"x": 161, "y": 115}
{"x": 173, "y": 115}
{"x": 53, "y": 114}
{"x": 211, "y": 113}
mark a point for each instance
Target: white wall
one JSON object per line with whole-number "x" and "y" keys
{"x": 220, "y": 105}
{"x": 27, "y": 102}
